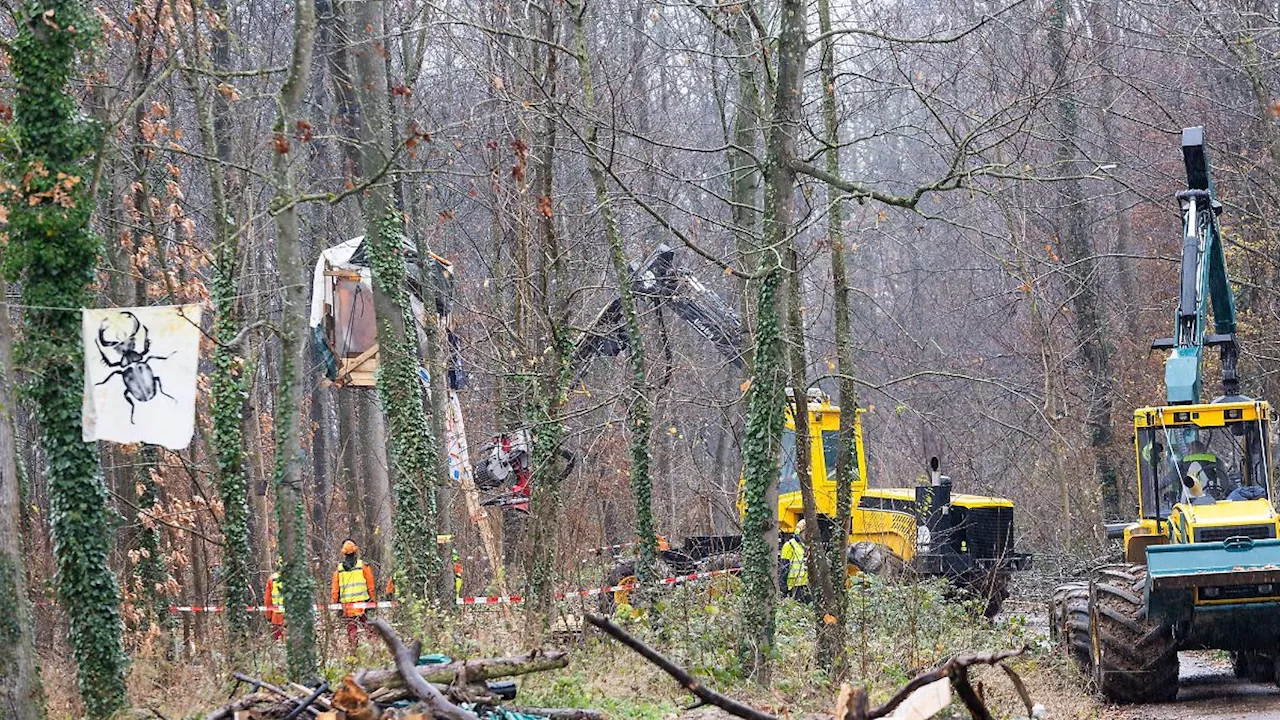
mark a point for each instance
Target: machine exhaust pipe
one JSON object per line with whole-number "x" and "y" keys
{"x": 933, "y": 503}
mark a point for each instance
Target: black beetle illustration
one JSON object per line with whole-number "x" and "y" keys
{"x": 134, "y": 366}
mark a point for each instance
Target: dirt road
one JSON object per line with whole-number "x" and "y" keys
{"x": 1209, "y": 691}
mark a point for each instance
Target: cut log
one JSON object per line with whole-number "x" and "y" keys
{"x": 473, "y": 670}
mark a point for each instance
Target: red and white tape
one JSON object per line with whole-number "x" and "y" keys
{"x": 268, "y": 608}
{"x": 673, "y": 580}
{"x": 474, "y": 600}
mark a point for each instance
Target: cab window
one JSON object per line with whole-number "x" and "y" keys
{"x": 1191, "y": 464}
{"x": 788, "y": 482}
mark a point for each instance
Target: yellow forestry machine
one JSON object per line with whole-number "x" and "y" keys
{"x": 928, "y": 529}
{"x": 1202, "y": 560}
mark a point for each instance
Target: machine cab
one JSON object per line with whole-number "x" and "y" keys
{"x": 1199, "y": 461}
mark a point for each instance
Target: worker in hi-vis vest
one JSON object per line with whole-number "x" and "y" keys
{"x": 797, "y": 571}
{"x": 273, "y": 598}
{"x": 353, "y": 583}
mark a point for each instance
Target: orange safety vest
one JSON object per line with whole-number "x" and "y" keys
{"x": 276, "y": 612}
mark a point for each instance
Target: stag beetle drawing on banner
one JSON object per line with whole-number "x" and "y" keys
{"x": 141, "y": 383}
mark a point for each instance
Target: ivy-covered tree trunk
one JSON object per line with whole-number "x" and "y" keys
{"x": 545, "y": 407}
{"x": 831, "y": 651}
{"x": 299, "y": 584}
{"x": 766, "y": 398}
{"x": 765, "y": 422}
{"x": 639, "y": 411}
{"x": 227, "y": 392}
{"x": 818, "y": 560}
{"x": 21, "y": 693}
{"x": 152, "y": 569}
{"x": 411, "y": 444}
{"x": 54, "y": 254}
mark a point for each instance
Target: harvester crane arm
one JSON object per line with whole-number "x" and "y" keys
{"x": 659, "y": 280}
{"x": 656, "y": 279}
{"x": 1203, "y": 282}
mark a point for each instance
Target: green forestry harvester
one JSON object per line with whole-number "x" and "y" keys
{"x": 1202, "y": 562}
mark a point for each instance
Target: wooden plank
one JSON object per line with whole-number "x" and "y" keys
{"x": 343, "y": 274}
{"x": 331, "y": 715}
{"x": 347, "y": 367}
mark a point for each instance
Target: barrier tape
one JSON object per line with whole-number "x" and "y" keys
{"x": 473, "y": 600}
{"x": 673, "y": 580}
{"x": 269, "y": 608}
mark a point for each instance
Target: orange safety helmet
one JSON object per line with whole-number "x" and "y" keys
{"x": 349, "y": 547}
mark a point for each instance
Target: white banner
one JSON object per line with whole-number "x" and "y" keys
{"x": 140, "y": 369}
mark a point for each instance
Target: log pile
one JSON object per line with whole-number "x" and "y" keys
{"x": 454, "y": 691}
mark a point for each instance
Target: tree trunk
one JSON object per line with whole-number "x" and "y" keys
{"x": 744, "y": 171}
{"x": 412, "y": 446}
{"x": 21, "y": 693}
{"x": 377, "y": 479}
{"x": 54, "y": 253}
{"x": 639, "y": 410}
{"x": 766, "y": 398}
{"x": 228, "y": 395}
{"x": 299, "y": 583}
{"x": 831, "y": 653}
{"x": 544, "y": 409}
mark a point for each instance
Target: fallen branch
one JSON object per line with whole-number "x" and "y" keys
{"x": 252, "y": 700}
{"x": 406, "y": 660}
{"x": 682, "y": 676}
{"x": 956, "y": 670}
{"x": 259, "y": 683}
{"x": 1021, "y": 688}
{"x": 475, "y": 671}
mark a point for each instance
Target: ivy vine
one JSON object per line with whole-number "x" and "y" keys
{"x": 228, "y": 396}
{"x": 765, "y": 421}
{"x": 53, "y": 252}
{"x": 413, "y": 445}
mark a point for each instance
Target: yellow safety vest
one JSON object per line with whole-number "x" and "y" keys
{"x": 351, "y": 584}
{"x": 277, "y": 595}
{"x": 798, "y": 572}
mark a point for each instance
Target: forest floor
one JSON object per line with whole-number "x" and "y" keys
{"x": 894, "y": 632}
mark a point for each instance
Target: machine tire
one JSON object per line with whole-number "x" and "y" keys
{"x": 1134, "y": 659}
{"x": 620, "y": 572}
{"x": 1253, "y": 666}
{"x": 1069, "y": 623}
{"x": 875, "y": 559}
{"x": 993, "y": 590}
{"x": 1240, "y": 665}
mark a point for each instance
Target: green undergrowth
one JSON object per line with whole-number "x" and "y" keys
{"x": 895, "y": 631}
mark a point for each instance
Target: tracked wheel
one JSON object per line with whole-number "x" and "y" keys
{"x": 1134, "y": 660}
{"x": 1069, "y": 623}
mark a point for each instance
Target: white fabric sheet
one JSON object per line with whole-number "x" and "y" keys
{"x": 140, "y": 371}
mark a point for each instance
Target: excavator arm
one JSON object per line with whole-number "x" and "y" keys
{"x": 1203, "y": 285}
{"x": 658, "y": 280}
